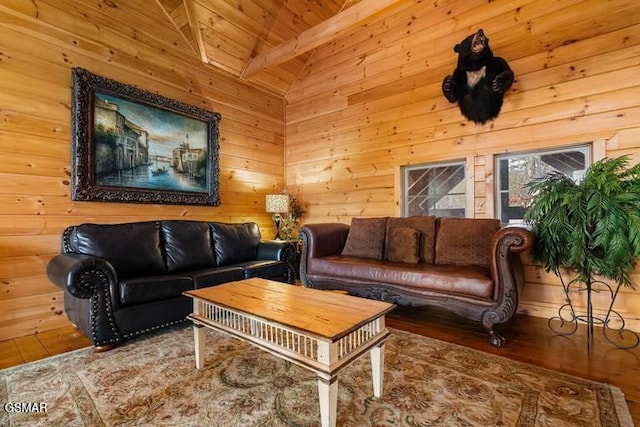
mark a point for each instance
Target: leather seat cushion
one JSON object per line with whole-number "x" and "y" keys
{"x": 153, "y": 288}
{"x": 470, "y": 281}
{"x": 215, "y": 276}
{"x": 265, "y": 269}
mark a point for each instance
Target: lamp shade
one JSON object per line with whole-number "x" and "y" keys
{"x": 277, "y": 203}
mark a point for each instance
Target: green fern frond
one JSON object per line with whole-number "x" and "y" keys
{"x": 592, "y": 227}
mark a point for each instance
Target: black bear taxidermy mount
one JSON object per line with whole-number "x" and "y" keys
{"x": 479, "y": 81}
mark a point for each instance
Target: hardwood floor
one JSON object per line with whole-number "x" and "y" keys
{"x": 528, "y": 340}
{"x": 34, "y": 347}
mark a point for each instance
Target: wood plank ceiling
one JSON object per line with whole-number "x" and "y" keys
{"x": 266, "y": 42}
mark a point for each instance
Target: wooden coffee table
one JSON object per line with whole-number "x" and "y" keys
{"x": 318, "y": 330}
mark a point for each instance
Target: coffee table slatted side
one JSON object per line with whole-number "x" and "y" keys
{"x": 316, "y": 352}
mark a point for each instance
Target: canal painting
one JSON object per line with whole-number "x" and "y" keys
{"x": 146, "y": 147}
{"x": 133, "y": 145}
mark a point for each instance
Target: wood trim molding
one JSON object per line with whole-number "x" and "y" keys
{"x": 470, "y": 190}
{"x": 175, "y": 24}
{"x": 398, "y": 191}
{"x": 599, "y": 149}
{"x": 193, "y": 24}
{"x": 332, "y": 28}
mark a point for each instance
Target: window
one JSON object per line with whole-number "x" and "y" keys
{"x": 514, "y": 171}
{"x": 435, "y": 189}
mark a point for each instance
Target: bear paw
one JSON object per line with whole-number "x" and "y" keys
{"x": 502, "y": 82}
{"x": 448, "y": 89}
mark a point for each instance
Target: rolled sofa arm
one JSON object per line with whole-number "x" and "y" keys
{"x": 508, "y": 275}
{"x": 320, "y": 240}
{"x": 90, "y": 285}
{"x": 81, "y": 275}
{"x": 513, "y": 238}
{"x": 273, "y": 249}
{"x": 506, "y": 267}
{"x": 282, "y": 251}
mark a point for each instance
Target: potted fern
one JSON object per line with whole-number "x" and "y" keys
{"x": 591, "y": 228}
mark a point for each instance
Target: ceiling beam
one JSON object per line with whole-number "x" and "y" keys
{"x": 320, "y": 34}
{"x": 171, "y": 15}
{"x": 190, "y": 8}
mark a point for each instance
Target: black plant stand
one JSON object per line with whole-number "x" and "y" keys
{"x": 569, "y": 319}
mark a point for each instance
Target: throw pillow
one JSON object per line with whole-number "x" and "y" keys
{"x": 465, "y": 241}
{"x": 426, "y": 225}
{"x": 403, "y": 245}
{"x": 366, "y": 238}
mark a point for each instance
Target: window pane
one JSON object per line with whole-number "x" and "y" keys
{"x": 435, "y": 190}
{"x": 516, "y": 170}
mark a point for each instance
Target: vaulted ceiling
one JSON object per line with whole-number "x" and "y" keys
{"x": 266, "y": 42}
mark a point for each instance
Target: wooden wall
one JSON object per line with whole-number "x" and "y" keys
{"x": 364, "y": 106}
{"x": 371, "y": 102}
{"x": 134, "y": 43}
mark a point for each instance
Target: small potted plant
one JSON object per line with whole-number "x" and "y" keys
{"x": 290, "y": 223}
{"x": 592, "y": 228}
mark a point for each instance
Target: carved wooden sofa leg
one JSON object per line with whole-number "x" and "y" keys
{"x": 489, "y": 319}
{"x": 495, "y": 339}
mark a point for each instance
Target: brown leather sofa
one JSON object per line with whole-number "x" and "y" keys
{"x": 124, "y": 280}
{"x": 468, "y": 266}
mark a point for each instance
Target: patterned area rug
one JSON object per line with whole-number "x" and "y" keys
{"x": 154, "y": 382}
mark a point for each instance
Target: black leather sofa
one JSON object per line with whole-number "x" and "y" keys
{"x": 123, "y": 280}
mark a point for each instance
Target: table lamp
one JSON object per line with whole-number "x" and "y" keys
{"x": 277, "y": 204}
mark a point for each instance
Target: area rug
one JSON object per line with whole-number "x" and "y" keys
{"x": 154, "y": 382}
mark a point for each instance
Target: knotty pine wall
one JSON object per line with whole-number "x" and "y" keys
{"x": 371, "y": 102}
{"x": 134, "y": 43}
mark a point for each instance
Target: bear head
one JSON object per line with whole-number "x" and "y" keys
{"x": 473, "y": 52}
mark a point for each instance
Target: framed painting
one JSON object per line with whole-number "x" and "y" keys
{"x": 132, "y": 145}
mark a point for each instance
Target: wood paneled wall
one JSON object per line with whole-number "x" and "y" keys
{"x": 132, "y": 42}
{"x": 364, "y": 106}
{"x": 371, "y": 102}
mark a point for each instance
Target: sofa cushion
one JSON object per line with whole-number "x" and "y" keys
{"x": 403, "y": 245}
{"x": 426, "y": 225}
{"x": 266, "y": 269}
{"x": 132, "y": 249}
{"x": 465, "y": 241}
{"x": 418, "y": 279}
{"x": 366, "y": 238}
{"x": 153, "y": 288}
{"x": 216, "y": 276}
{"x": 187, "y": 245}
{"x": 234, "y": 243}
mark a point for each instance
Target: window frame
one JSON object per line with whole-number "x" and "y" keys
{"x": 585, "y": 147}
{"x": 406, "y": 169}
